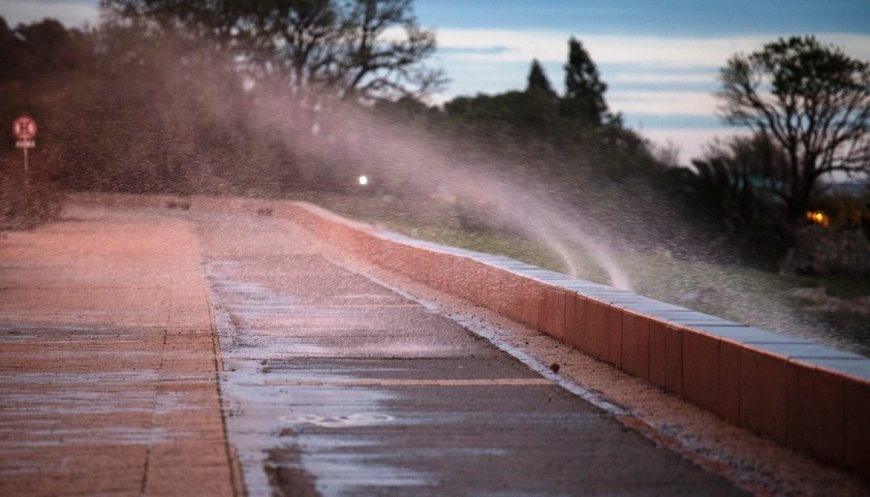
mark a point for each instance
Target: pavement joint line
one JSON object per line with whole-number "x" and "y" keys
{"x": 352, "y": 306}
{"x": 152, "y": 420}
{"x": 483, "y": 382}
{"x": 236, "y": 478}
{"x": 491, "y": 336}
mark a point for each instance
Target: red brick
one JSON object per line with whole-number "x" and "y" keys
{"x": 452, "y": 272}
{"x": 701, "y": 369}
{"x": 673, "y": 359}
{"x": 636, "y": 345}
{"x": 493, "y": 293}
{"x": 657, "y": 352}
{"x": 614, "y": 335}
{"x": 729, "y": 382}
{"x": 857, "y": 428}
{"x": 511, "y": 304}
{"x": 570, "y": 318}
{"x": 552, "y": 318}
{"x": 375, "y": 252}
{"x": 431, "y": 278}
{"x": 363, "y": 245}
{"x": 815, "y": 412}
{"x": 597, "y": 328}
{"x": 763, "y": 393}
{"x": 477, "y": 275}
{"x": 416, "y": 262}
{"x": 466, "y": 279}
{"x": 466, "y": 282}
{"x": 578, "y": 335}
{"x": 400, "y": 259}
{"x": 533, "y": 298}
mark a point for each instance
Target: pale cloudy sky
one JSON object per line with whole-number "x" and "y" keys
{"x": 660, "y": 59}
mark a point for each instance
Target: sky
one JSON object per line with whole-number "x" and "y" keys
{"x": 659, "y": 59}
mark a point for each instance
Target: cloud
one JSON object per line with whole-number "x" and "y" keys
{"x": 663, "y": 102}
{"x": 493, "y": 45}
{"x": 651, "y": 75}
{"x": 661, "y": 78}
{"x": 75, "y": 13}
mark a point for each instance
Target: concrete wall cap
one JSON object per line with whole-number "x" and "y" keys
{"x": 807, "y": 350}
{"x": 855, "y": 368}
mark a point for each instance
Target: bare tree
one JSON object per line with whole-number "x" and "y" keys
{"x": 356, "y": 48}
{"x": 810, "y": 100}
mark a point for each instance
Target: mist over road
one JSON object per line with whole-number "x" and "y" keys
{"x": 119, "y": 324}
{"x": 337, "y": 384}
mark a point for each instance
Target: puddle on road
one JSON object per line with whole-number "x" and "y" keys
{"x": 301, "y": 438}
{"x": 360, "y": 419}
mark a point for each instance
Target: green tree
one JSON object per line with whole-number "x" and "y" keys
{"x": 809, "y": 100}
{"x": 584, "y": 90}
{"x": 537, "y": 80}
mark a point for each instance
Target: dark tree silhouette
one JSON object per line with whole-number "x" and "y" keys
{"x": 810, "y": 100}
{"x": 38, "y": 65}
{"x": 584, "y": 90}
{"x": 733, "y": 176}
{"x": 538, "y": 80}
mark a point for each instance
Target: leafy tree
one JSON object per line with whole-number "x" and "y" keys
{"x": 538, "y": 81}
{"x": 809, "y": 100}
{"x": 342, "y": 45}
{"x": 584, "y": 90}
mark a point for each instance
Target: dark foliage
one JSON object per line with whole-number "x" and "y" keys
{"x": 35, "y": 62}
{"x": 584, "y": 90}
{"x": 812, "y": 102}
{"x": 538, "y": 82}
{"x": 730, "y": 186}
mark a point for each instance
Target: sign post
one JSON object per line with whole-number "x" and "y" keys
{"x": 24, "y": 129}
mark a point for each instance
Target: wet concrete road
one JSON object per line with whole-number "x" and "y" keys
{"x": 333, "y": 384}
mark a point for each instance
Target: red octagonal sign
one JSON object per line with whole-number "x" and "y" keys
{"x": 24, "y": 128}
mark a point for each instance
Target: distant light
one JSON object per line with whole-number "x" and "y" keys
{"x": 818, "y": 217}
{"x": 363, "y": 180}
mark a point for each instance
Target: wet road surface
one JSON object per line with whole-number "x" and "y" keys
{"x": 333, "y": 384}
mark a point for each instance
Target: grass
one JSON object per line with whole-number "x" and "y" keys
{"x": 740, "y": 293}
{"x": 655, "y": 273}
{"x": 842, "y": 286}
{"x": 441, "y": 223}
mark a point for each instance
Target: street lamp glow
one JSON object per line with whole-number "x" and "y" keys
{"x": 363, "y": 180}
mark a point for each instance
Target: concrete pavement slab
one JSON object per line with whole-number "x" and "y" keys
{"x": 108, "y": 361}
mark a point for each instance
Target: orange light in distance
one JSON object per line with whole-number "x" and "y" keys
{"x": 818, "y": 217}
